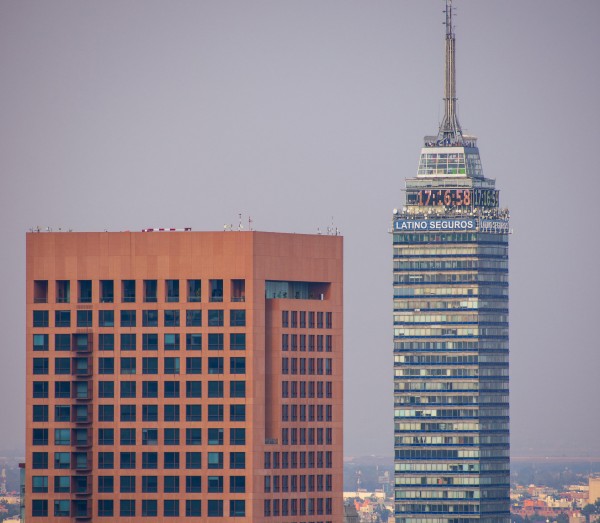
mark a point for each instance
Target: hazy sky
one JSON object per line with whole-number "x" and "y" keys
{"x": 123, "y": 115}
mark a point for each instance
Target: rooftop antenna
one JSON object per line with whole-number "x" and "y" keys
{"x": 250, "y": 223}
{"x": 450, "y": 132}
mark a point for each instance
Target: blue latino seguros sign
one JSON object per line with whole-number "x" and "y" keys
{"x": 466, "y": 224}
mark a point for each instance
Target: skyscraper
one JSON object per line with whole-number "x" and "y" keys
{"x": 450, "y": 255}
{"x": 175, "y": 375}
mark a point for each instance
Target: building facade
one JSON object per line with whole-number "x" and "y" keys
{"x": 176, "y": 375}
{"x": 451, "y": 384}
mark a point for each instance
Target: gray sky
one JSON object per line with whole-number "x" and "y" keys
{"x": 124, "y": 115}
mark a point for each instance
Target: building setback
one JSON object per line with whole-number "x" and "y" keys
{"x": 451, "y": 406}
{"x": 175, "y": 375}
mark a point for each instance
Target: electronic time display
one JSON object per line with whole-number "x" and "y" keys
{"x": 453, "y": 198}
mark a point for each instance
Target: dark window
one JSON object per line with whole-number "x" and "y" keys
{"x": 215, "y": 436}
{"x": 127, "y": 506}
{"x": 238, "y": 290}
{"x": 40, "y": 460}
{"x": 63, "y": 291}
{"x": 237, "y": 318}
{"x": 215, "y": 460}
{"x": 62, "y": 342}
{"x": 150, "y": 341}
{"x": 237, "y": 365}
{"x": 214, "y": 484}
{"x": 171, "y": 506}
{"x": 85, "y": 291}
{"x": 106, "y": 365}
{"x": 171, "y": 341}
{"x": 171, "y": 484}
{"x": 107, "y": 291}
{"x": 215, "y": 412}
{"x": 105, "y": 508}
{"x": 215, "y": 508}
{"x": 149, "y": 365}
{"x": 237, "y": 460}
{"x": 216, "y": 290}
{"x": 149, "y": 460}
{"x": 150, "y": 318}
{"x": 193, "y": 341}
{"x": 150, "y": 389}
{"x": 40, "y": 365}
{"x": 237, "y": 436}
{"x": 40, "y": 436}
{"x": 171, "y": 460}
{"x": 237, "y": 389}
{"x": 63, "y": 437}
{"x": 171, "y": 389}
{"x": 171, "y": 436}
{"x": 215, "y": 389}
{"x": 215, "y": 342}
{"x": 128, "y": 413}
{"x": 193, "y": 365}
{"x": 193, "y": 460}
{"x": 149, "y": 436}
{"x": 128, "y": 342}
{"x": 106, "y": 484}
{"x": 40, "y": 342}
{"x": 128, "y": 318}
{"x": 194, "y": 290}
{"x": 128, "y": 366}
{"x": 172, "y": 290}
{"x": 285, "y": 318}
{"x": 150, "y": 291}
{"x": 149, "y": 507}
{"x": 40, "y": 389}
{"x": 193, "y": 318}
{"x": 128, "y": 291}
{"x": 193, "y": 484}
{"x": 171, "y": 365}
{"x": 40, "y": 291}
{"x": 106, "y": 460}
{"x": 237, "y": 484}
{"x": 193, "y": 436}
{"x": 193, "y": 389}
{"x": 106, "y": 437}
{"x": 40, "y": 413}
{"x": 106, "y": 341}
{"x": 193, "y": 412}
{"x": 171, "y": 412}
{"x": 193, "y": 507}
{"x": 39, "y": 508}
{"x": 171, "y": 318}
{"x": 149, "y": 412}
{"x": 127, "y": 436}
{"x": 237, "y": 412}
{"x": 215, "y": 318}
{"x": 62, "y": 413}
{"x": 149, "y": 484}
{"x": 328, "y": 320}
{"x": 215, "y": 365}
{"x": 237, "y": 508}
{"x": 127, "y": 486}
{"x": 237, "y": 341}
{"x": 40, "y": 318}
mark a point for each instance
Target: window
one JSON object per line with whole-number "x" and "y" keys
{"x": 237, "y": 460}
{"x": 171, "y": 318}
{"x": 62, "y": 342}
{"x": 171, "y": 365}
{"x": 237, "y": 341}
{"x": 128, "y": 367}
{"x": 171, "y": 484}
{"x": 63, "y": 291}
{"x": 106, "y": 460}
{"x": 193, "y": 412}
{"x": 106, "y": 365}
{"x": 193, "y": 389}
{"x": 215, "y": 436}
{"x": 171, "y": 341}
{"x": 285, "y": 319}
{"x": 85, "y": 291}
{"x": 215, "y": 413}
{"x": 171, "y": 506}
{"x": 215, "y": 460}
{"x": 171, "y": 436}
{"x": 40, "y": 413}
{"x": 40, "y": 291}
{"x": 107, "y": 291}
{"x": 193, "y": 318}
{"x": 193, "y": 365}
{"x": 193, "y": 484}
{"x": 216, "y": 290}
{"x": 128, "y": 318}
{"x": 105, "y": 508}
{"x": 237, "y": 436}
{"x": 40, "y": 436}
{"x": 149, "y": 484}
{"x": 62, "y": 413}
{"x": 237, "y": 508}
{"x": 215, "y": 318}
{"x": 172, "y": 290}
{"x": 61, "y": 484}
{"x": 106, "y": 341}
{"x": 106, "y": 437}
{"x": 149, "y": 507}
{"x": 106, "y": 389}
{"x": 40, "y": 365}
{"x": 171, "y": 460}
{"x": 237, "y": 484}
{"x": 215, "y": 365}
{"x": 215, "y": 508}
{"x": 194, "y": 290}
{"x": 106, "y": 413}
{"x": 215, "y": 484}
{"x": 171, "y": 389}
{"x": 40, "y": 389}
{"x": 40, "y": 460}
{"x": 127, "y": 506}
{"x": 150, "y": 291}
{"x": 127, "y": 486}
{"x": 149, "y": 412}
{"x": 193, "y": 460}
{"x": 171, "y": 412}
{"x": 193, "y": 507}
{"x": 150, "y": 318}
{"x": 237, "y": 389}
{"x": 128, "y": 437}
{"x": 106, "y": 484}
{"x": 150, "y": 341}
{"x": 149, "y": 460}
{"x": 40, "y": 342}
{"x": 40, "y": 318}
{"x": 193, "y": 436}
{"x": 149, "y": 436}
{"x": 127, "y": 412}
{"x": 328, "y": 320}
{"x": 193, "y": 341}
{"x": 149, "y": 365}
{"x": 128, "y": 291}
{"x": 39, "y": 508}
{"x": 150, "y": 389}
{"x": 237, "y": 365}
{"x": 215, "y": 341}
{"x": 237, "y": 318}
{"x": 237, "y": 412}
{"x": 215, "y": 389}
{"x": 285, "y": 342}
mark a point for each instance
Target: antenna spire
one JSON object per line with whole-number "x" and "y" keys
{"x": 450, "y": 131}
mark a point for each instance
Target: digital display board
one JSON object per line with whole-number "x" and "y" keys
{"x": 453, "y": 197}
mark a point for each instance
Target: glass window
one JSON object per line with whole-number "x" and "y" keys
{"x": 237, "y": 389}
{"x": 150, "y": 318}
{"x": 106, "y": 365}
{"x": 216, "y": 290}
{"x": 40, "y": 436}
{"x": 215, "y": 460}
{"x": 149, "y": 484}
{"x": 128, "y": 291}
{"x": 215, "y": 436}
{"x": 62, "y": 436}
{"x": 149, "y": 341}
{"x": 171, "y": 389}
{"x": 215, "y": 413}
{"x": 193, "y": 365}
{"x": 149, "y": 365}
{"x": 106, "y": 436}
{"x": 127, "y": 436}
{"x": 237, "y": 365}
{"x": 85, "y": 291}
{"x": 193, "y": 460}
{"x": 171, "y": 436}
{"x": 171, "y": 412}
{"x": 215, "y": 508}
{"x": 215, "y": 365}
{"x": 238, "y": 290}
{"x": 62, "y": 342}
{"x": 171, "y": 460}
{"x": 106, "y": 341}
{"x": 172, "y": 290}
{"x": 237, "y": 436}
{"x": 194, "y": 290}
{"x": 171, "y": 484}
{"x": 237, "y": 508}
{"x": 193, "y": 389}
{"x": 237, "y": 460}
{"x": 193, "y": 318}
{"x": 107, "y": 291}
{"x": 214, "y": 484}
{"x": 193, "y": 341}
{"x": 193, "y": 507}
{"x": 171, "y": 318}
{"x": 171, "y": 341}
{"x": 149, "y": 436}
{"x": 40, "y": 318}
{"x": 128, "y": 367}
{"x": 215, "y": 389}
{"x": 237, "y": 341}
{"x": 237, "y": 484}
{"x": 171, "y": 508}
{"x": 105, "y": 508}
{"x": 62, "y": 460}
{"x": 63, "y": 291}
{"x": 40, "y": 291}
{"x": 128, "y": 318}
{"x": 237, "y": 318}
{"x": 127, "y": 460}
{"x": 150, "y": 291}
{"x": 62, "y": 413}
{"x": 215, "y": 341}
{"x": 215, "y": 318}
{"x": 40, "y": 365}
{"x": 62, "y": 484}
{"x": 237, "y": 412}
{"x": 62, "y": 389}
{"x": 106, "y": 484}
{"x": 149, "y": 460}
{"x": 193, "y": 412}
{"x": 127, "y": 506}
{"x": 149, "y": 507}
{"x": 40, "y": 413}
{"x": 128, "y": 342}
{"x": 128, "y": 413}
{"x": 171, "y": 365}
{"x": 193, "y": 436}
{"x": 40, "y": 342}
{"x": 106, "y": 389}
{"x": 39, "y": 508}
{"x": 149, "y": 412}
{"x": 150, "y": 389}
{"x": 193, "y": 484}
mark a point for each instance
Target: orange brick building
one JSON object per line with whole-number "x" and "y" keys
{"x": 175, "y": 375}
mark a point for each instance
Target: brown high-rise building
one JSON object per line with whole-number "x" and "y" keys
{"x": 175, "y": 375}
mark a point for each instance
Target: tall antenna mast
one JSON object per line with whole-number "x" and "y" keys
{"x": 450, "y": 132}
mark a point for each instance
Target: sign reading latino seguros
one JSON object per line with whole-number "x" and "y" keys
{"x": 452, "y": 224}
